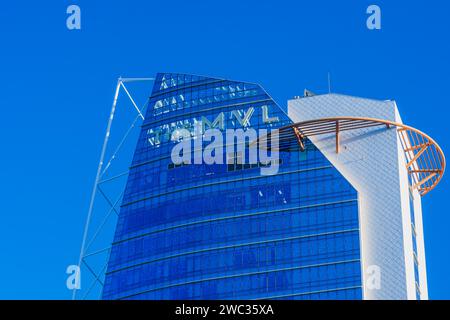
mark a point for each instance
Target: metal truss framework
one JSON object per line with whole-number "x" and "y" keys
{"x": 98, "y": 190}
{"x": 425, "y": 160}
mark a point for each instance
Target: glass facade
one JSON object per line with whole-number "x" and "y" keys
{"x": 224, "y": 231}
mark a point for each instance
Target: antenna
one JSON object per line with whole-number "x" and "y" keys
{"x": 329, "y": 82}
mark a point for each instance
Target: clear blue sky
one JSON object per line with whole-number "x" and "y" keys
{"x": 56, "y": 88}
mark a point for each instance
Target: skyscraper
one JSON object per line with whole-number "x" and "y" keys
{"x": 318, "y": 229}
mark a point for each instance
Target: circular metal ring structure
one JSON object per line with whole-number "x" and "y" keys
{"x": 425, "y": 160}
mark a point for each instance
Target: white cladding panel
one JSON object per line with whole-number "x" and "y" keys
{"x": 372, "y": 160}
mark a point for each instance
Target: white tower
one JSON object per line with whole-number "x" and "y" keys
{"x": 385, "y": 164}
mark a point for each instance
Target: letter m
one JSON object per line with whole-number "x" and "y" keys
{"x": 219, "y": 122}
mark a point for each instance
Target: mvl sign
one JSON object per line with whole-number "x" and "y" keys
{"x": 243, "y": 117}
